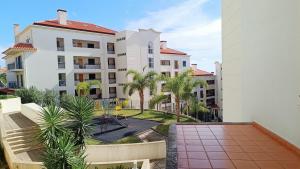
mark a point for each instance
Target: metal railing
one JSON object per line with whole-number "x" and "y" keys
{"x": 62, "y": 82}
{"x": 112, "y": 81}
{"x": 86, "y": 66}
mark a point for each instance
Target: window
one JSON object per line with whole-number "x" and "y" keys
{"x": 112, "y": 77}
{"x": 210, "y": 102}
{"x": 60, "y": 44}
{"x": 62, "y": 92}
{"x": 93, "y": 91}
{"x": 168, "y": 100}
{"x": 90, "y": 45}
{"x": 112, "y": 92}
{"x": 111, "y": 63}
{"x": 121, "y": 54}
{"x": 62, "y": 79}
{"x": 122, "y": 38}
{"x": 165, "y": 62}
{"x": 151, "y": 62}
{"x": 61, "y": 62}
{"x": 210, "y": 92}
{"x": 91, "y": 61}
{"x": 184, "y": 63}
{"x": 110, "y": 48}
{"x": 21, "y": 79}
{"x": 150, "y": 48}
{"x": 176, "y": 65}
{"x": 92, "y": 76}
{"x": 167, "y": 74}
{"x": 210, "y": 82}
{"x": 201, "y": 94}
{"x": 18, "y": 61}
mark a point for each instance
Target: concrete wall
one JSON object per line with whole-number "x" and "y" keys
{"x": 10, "y": 105}
{"x": 261, "y": 64}
{"x": 121, "y": 152}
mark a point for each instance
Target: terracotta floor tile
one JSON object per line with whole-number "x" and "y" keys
{"x": 181, "y": 148}
{"x": 241, "y": 138}
{"x": 243, "y": 164}
{"x": 197, "y": 155}
{"x": 290, "y": 164}
{"x": 228, "y": 142}
{"x": 252, "y": 149}
{"x": 238, "y": 156}
{"x": 198, "y": 164}
{"x": 205, "y": 133}
{"x": 210, "y": 142}
{"x": 194, "y": 148}
{"x": 284, "y": 156}
{"x": 192, "y": 137}
{"x": 246, "y": 143}
{"x": 180, "y": 142}
{"x": 203, "y": 129}
{"x": 183, "y": 163}
{"x": 181, "y": 154}
{"x": 222, "y": 164}
{"x": 223, "y": 137}
{"x": 260, "y": 156}
{"x": 213, "y": 148}
{"x": 268, "y": 165}
{"x": 207, "y": 137}
{"x": 193, "y": 142}
{"x": 236, "y": 149}
{"x": 217, "y": 156}
{"x": 188, "y": 133}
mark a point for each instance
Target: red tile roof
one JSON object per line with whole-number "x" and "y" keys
{"x": 75, "y": 25}
{"x": 198, "y": 72}
{"x": 171, "y": 51}
{"x": 19, "y": 47}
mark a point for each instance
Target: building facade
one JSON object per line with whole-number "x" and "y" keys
{"x": 58, "y": 54}
{"x": 259, "y": 48}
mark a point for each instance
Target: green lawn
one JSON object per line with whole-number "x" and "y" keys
{"x": 165, "y": 119}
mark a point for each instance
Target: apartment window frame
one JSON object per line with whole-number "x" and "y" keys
{"x": 91, "y": 61}
{"x": 210, "y": 82}
{"x": 62, "y": 79}
{"x": 151, "y": 62}
{"x": 184, "y": 63}
{"x": 60, "y": 44}
{"x": 150, "y": 47}
{"x": 61, "y": 62}
{"x": 110, "y": 48}
{"x": 176, "y": 64}
{"x": 92, "y": 76}
{"x": 165, "y": 62}
{"x": 93, "y": 91}
{"x": 111, "y": 63}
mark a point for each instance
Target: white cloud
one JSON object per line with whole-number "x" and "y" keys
{"x": 186, "y": 27}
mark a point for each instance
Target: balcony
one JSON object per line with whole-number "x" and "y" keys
{"x": 15, "y": 67}
{"x": 86, "y": 80}
{"x": 61, "y": 65}
{"x": 112, "y": 81}
{"x": 111, "y": 66}
{"x": 13, "y": 84}
{"x": 87, "y": 66}
{"x": 96, "y": 96}
{"x": 112, "y": 95}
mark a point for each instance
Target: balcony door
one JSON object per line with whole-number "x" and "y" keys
{"x": 80, "y": 61}
{"x": 81, "y": 77}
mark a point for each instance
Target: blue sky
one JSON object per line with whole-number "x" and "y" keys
{"x": 193, "y": 26}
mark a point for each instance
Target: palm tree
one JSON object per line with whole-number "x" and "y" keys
{"x": 83, "y": 88}
{"x": 181, "y": 87}
{"x": 197, "y": 107}
{"x": 52, "y": 128}
{"x": 139, "y": 83}
{"x": 3, "y": 79}
{"x": 80, "y": 114}
{"x": 156, "y": 99}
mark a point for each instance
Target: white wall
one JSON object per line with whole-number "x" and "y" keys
{"x": 261, "y": 64}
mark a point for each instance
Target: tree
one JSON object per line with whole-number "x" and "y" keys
{"x": 83, "y": 88}
{"x": 49, "y": 97}
{"x": 3, "y": 79}
{"x": 156, "y": 99}
{"x": 80, "y": 114}
{"x": 197, "y": 107}
{"x": 30, "y": 95}
{"x": 181, "y": 87}
{"x": 139, "y": 83}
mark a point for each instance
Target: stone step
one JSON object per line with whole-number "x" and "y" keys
{"x": 24, "y": 145}
{"x": 35, "y": 128}
{"x": 22, "y": 141}
{"x": 25, "y": 149}
{"x": 20, "y": 133}
{"x": 21, "y": 137}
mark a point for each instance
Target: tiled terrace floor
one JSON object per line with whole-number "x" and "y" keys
{"x": 230, "y": 146}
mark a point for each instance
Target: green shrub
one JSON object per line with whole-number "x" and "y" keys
{"x": 49, "y": 97}
{"x": 30, "y": 95}
{"x": 2, "y": 97}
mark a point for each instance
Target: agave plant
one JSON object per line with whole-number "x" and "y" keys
{"x": 80, "y": 114}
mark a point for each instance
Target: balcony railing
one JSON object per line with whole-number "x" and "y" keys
{"x": 60, "y": 48}
{"x": 112, "y": 81}
{"x": 77, "y": 66}
{"x": 111, "y": 66}
{"x": 112, "y": 95}
{"x": 61, "y": 65}
{"x": 96, "y": 96}
{"x": 62, "y": 82}
{"x": 12, "y": 84}
{"x": 86, "y": 80}
{"x": 111, "y": 52}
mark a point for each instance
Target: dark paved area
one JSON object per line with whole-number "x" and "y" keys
{"x": 117, "y": 131}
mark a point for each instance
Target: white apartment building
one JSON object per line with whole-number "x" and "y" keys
{"x": 57, "y": 54}
{"x": 261, "y": 65}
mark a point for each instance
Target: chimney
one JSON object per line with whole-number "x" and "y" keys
{"x": 16, "y": 31}
{"x": 194, "y": 66}
{"x": 163, "y": 44}
{"x": 62, "y": 16}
